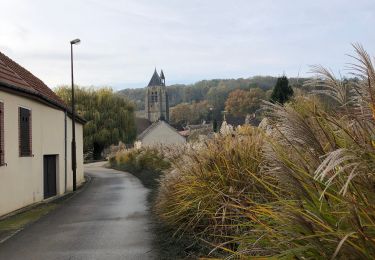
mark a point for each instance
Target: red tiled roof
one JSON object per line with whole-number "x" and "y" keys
{"x": 11, "y": 73}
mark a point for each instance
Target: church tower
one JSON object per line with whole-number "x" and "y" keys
{"x": 156, "y": 102}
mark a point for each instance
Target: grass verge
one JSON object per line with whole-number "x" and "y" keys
{"x": 20, "y": 220}
{"x": 10, "y": 225}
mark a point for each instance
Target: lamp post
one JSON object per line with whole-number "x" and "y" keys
{"x": 74, "y": 156}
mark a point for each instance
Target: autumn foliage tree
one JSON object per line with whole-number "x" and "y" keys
{"x": 241, "y": 102}
{"x": 186, "y": 113}
{"x": 179, "y": 115}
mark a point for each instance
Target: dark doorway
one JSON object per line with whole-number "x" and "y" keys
{"x": 49, "y": 175}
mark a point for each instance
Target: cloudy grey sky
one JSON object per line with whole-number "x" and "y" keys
{"x": 123, "y": 40}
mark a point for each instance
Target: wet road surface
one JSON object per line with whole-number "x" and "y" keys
{"x": 107, "y": 220}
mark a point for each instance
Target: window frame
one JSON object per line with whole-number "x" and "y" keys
{"x": 20, "y": 141}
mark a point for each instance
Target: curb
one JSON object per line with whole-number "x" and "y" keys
{"x": 13, "y": 233}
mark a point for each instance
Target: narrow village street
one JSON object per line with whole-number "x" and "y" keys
{"x": 106, "y": 220}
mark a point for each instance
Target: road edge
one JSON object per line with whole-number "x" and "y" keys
{"x": 64, "y": 197}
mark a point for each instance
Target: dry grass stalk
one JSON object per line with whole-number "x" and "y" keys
{"x": 305, "y": 190}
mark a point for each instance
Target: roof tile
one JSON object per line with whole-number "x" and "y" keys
{"x": 14, "y": 74}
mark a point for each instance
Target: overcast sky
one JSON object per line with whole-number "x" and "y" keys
{"x": 123, "y": 41}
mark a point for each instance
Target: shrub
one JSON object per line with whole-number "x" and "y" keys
{"x": 146, "y": 163}
{"x": 208, "y": 192}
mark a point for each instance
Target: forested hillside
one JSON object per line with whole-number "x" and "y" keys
{"x": 206, "y": 89}
{"x": 207, "y": 99}
{"x": 110, "y": 118}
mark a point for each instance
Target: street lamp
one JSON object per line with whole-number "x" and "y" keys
{"x": 74, "y": 156}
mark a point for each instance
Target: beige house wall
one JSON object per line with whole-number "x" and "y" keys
{"x": 21, "y": 179}
{"x": 162, "y": 134}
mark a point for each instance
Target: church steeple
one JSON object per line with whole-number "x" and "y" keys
{"x": 162, "y": 77}
{"x": 155, "y": 80}
{"x": 156, "y": 100}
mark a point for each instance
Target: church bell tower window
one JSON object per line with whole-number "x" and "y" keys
{"x": 154, "y": 96}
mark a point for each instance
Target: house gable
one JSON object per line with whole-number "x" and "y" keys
{"x": 161, "y": 133}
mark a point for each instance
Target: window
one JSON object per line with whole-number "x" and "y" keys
{"x": 25, "y": 131}
{"x": 154, "y": 96}
{"x": 2, "y": 154}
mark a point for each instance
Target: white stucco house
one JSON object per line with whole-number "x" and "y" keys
{"x": 35, "y": 140}
{"x": 160, "y": 133}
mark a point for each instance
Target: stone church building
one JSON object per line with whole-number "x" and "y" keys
{"x": 156, "y": 103}
{"x": 156, "y": 114}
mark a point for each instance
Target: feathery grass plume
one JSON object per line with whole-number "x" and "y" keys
{"x": 304, "y": 189}
{"x": 305, "y": 218}
{"x": 364, "y": 70}
{"x": 327, "y": 160}
{"x": 216, "y": 192}
{"x": 301, "y": 135}
{"x": 325, "y": 83}
{"x": 356, "y": 154}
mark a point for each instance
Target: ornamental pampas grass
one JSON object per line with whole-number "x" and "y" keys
{"x": 302, "y": 190}
{"x": 211, "y": 189}
{"x": 326, "y": 159}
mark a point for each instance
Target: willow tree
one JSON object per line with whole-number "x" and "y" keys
{"x": 110, "y": 118}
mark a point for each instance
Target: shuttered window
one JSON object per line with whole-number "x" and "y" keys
{"x": 2, "y": 153}
{"x": 25, "y": 131}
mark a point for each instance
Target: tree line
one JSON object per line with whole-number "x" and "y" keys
{"x": 207, "y": 99}
{"x": 206, "y": 89}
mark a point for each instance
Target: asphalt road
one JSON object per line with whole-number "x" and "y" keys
{"x": 106, "y": 220}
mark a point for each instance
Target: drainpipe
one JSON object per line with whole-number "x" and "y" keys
{"x": 66, "y": 151}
